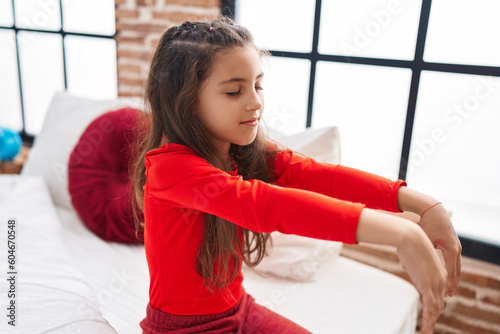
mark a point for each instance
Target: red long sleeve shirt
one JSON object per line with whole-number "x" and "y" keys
{"x": 311, "y": 199}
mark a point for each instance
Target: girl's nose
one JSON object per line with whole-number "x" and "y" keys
{"x": 255, "y": 102}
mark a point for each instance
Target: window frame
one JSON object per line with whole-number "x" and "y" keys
{"x": 26, "y": 137}
{"x": 471, "y": 247}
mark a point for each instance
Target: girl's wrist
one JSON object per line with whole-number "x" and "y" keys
{"x": 430, "y": 207}
{"x": 414, "y": 201}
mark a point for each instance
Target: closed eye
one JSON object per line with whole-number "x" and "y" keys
{"x": 233, "y": 93}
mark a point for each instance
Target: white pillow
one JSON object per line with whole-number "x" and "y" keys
{"x": 321, "y": 144}
{"x": 51, "y": 294}
{"x": 295, "y": 257}
{"x": 66, "y": 119}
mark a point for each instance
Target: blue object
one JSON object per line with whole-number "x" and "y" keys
{"x": 10, "y": 144}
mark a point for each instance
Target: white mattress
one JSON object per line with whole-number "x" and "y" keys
{"x": 347, "y": 297}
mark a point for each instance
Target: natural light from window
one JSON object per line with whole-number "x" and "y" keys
{"x": 90, "y": 61}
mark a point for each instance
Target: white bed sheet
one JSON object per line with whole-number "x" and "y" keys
{"x": 118, "y": 273}
{"x": 47, "y": 293}
{"x": 347, "y": 297}
{"x": 108, "y": 282}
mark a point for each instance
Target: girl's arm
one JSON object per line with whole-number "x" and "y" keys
{"x": 337, "y": 181}
{"x": 375, "y": 192}
{"x": 416, "y": 254}
{"x": 437, "y": 225}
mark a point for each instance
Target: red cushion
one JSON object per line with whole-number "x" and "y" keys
{"x": 98, "y": 173}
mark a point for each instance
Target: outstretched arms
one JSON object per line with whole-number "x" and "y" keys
{"x": 377, "y": 193}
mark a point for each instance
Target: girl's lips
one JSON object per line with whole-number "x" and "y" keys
{"x": 252, "y": 122}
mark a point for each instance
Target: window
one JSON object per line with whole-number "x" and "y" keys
{"x": 414, "y": 87}
{"x": 51, "y": 45}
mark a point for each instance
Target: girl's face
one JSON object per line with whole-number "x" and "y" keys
{"x": 231, "y": 100}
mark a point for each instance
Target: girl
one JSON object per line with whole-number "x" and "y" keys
{"x": 212, "y": 187}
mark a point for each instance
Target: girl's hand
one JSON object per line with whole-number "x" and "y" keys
{"x": 427, "y": 274}
{"x": 416, "y": 253}
{"x": 435, "y": 222}
{"x": 437, "y": 225}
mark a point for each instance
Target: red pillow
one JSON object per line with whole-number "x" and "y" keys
{"x": 98, "y": 173}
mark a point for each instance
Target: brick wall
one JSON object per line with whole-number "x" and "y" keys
{"x": 139, "y": 24}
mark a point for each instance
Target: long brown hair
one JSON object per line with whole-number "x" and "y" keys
{"x": 181, "y": 63}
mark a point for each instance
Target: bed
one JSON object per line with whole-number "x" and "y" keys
{"x": 67, "y": 279}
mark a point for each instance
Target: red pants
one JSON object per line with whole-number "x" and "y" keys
{"x": 246, "y": 317}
